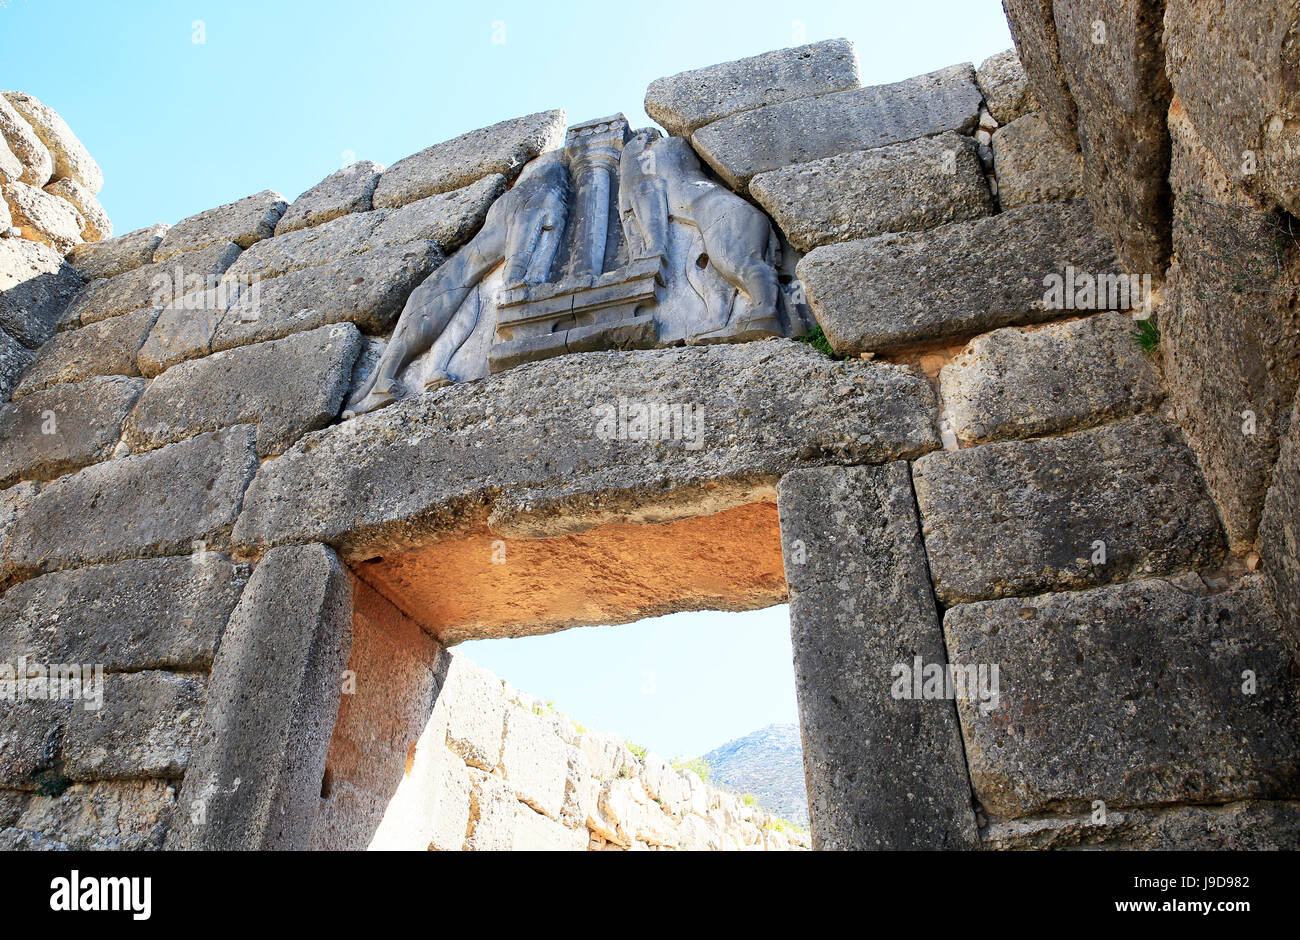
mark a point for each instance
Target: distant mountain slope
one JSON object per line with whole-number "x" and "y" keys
{"x": 768, "y": 764}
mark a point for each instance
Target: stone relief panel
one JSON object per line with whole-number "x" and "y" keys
{"x": 620, "y": 240}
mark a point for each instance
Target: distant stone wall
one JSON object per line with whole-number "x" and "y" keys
{"x": 988, "y": 470}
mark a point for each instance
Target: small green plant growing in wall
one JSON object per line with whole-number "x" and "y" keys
{"x": 52, "y": 784}
{"x": 637, "y": 750}
{"x": 816, "y": 338}
{"x": 697, "y": 764}
{"x": 748, "y": 800}
{"x": 1147, "y": 335}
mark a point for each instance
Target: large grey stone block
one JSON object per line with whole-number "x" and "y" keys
{"x": 42, "y": 217}
{"x": 883, "y": 772}
{"x": 907, "y": 187}
{"x": 243, "y": 222}
{"x": 1136, "y": 695}
{"x": 14, "y": 360}
{"x": 71, "y": 158}
{"x": 1122, "y": 96}
{"x": 145, "y": 613}
{"x": 109, "y": 347}
{"x": 286, "y": 387}
{"x": 128, "y": 815}
{"x": 563, "y": 464}
{"x": 534, "y": 761}
{"x": 159, "y": 503}
{"x": 21, "y": 138}
{"x": 1230, "y": 328}
{"x": 1025, "y": 517}
{"x": 1032, "y": 165}
{"x": 1233, "y": 67}
{"x": 1014, "y": 384}
{"x": 1007, "y": 94}
{"x": 344, "y": 191}
{"x": 151, "y": 285}
{"x": 255, "y": 778}
{"x": 115, "y": 256}
{"x": 897, "y": 290}
{"x": 145, "y": 728}
{"x": 685, "y": 102}
{"x": 1279, "y": 534}
{"x": 474, "y": 708}
{"x": 778, "y": 135}
{"x": 502, "y": 148}
{"x": 1033, "y": 29}
{"x": 61, "y": 429}
{"x": 36, "y": 285}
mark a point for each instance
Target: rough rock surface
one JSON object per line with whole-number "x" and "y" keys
{"x": 72, "y": 160}
{"x": 1006, "y": 91}
{"x": 502, "y": 148}
{"x": 36, "y": 286}
{"x": 778, "y": 135}
{"x": 344, "y": 191}
{"x": 1233, "y": 65}
{"x": 560, "y": 462}
{"x": 11, "y": 168}
{"x": 95, "y": 222}
{"x": 685, "y": 102}
{"x": 243, "y": 222}
{"x": 1230, "y": 328}
{"x": 155, "y": 613}
{"x": 37, "y": 164}
{"x": 860, "y": 603}
{"x": 1014, "y": 384}
{"x": 1033, "y": 28}
{"x": 61, "y": 429}
{"x": 1044, "y": 506}
{"x": 1122, "y": 96}
{"x": 159, "y": 503}
{"x": 286, "y": 387}
{"x": 1172, "y": 698}
{"x": 1280, "y": 534}
{"x": 915, "y": 185}
{"x": 270, "y": 709}
{"x": 109, "y": 347}
{"x": 1032, "y": 165}
{"x": 14, "y": 360}
{"x": 44, "y": 218}
{"x": 118, "y": 255}
{"x": 129, "y": 815}
{"x": 896, "y": 290}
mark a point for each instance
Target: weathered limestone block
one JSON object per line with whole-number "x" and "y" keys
{"x": 14, "y": 360}
{"x": 155, "y": 613}
{"x": 883, "y": 772}
{"x": 1122, "y": 94}
{"x": 71, "y": 159}
{"x": 493, "y": 813}
{"x": 11, "y": 168}
{"x": 342, "y": 192}
{"x": 286, "y": 387}
{"x": 95, "y": 224}
{"x": 274, "y": 695}
{"x": 53, "y": 432}
{"x": 128, "y": 815}
{"x": 915, "y": 185}
{"x": 474, "y": 710}
{"x": 13, "y": 501}
{"x": 1014, "y": 384}
{"x": 534, "y": 762}
{"x": 109, "y": 347}
{"x": 1172, "y": 698}
{"x": 607, "y": 754}
{"x": 159, "y": 503}
{"x": 1230, "y": 329}
{"x": 145, "y": 728}
{"x": 562, "y": 466}
{"x": 369, "y": 290}
{"x": 1033, "y": 29}
{"x": 118, "y": 255}
{"x": 581, "y": 789}
{"x": 1233, "y": 65}
{"x": 36, "y": 286}
{"x": 44, "y": 218}
{"x": 896, "y": 290}
{"x": 448, "y": 811}
{"x": 1032, "y": 165}
{"x": 1279, "y": 534}
{"x": 685, "y": 102}
{"x": 1025, "y": 517}
{"x": 1007, "y": 94}
{"x": 31, "y": 735}
{"x": 152, "y": 285}
{"x": 502, "y": 148}
{"x": 23, "y": 142}
{"x": 448, "y": 219}
{"x": 244, "y": 222}
{"x": 777, "y": 135}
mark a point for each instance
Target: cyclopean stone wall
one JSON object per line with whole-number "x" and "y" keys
{"x": 990, "y": 473}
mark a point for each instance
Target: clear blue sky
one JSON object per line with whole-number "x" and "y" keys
{"x": 280, "y": 94}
